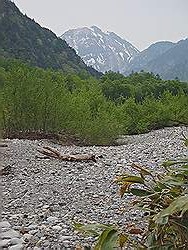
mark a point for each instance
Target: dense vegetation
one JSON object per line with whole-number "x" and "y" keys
{"x": 97, "y": 111}
{"x": 22, "y": 38}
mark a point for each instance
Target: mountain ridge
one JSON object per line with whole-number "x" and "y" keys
{"x": 103, "y": 51}
{"x": 170, "y": 61}
{"x": 22, "y": 38}
{"x": 92, "y": 44}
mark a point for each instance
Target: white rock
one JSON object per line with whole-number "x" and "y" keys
{"x": 45, "y": 206}
{"x": 27, "y": 237}
{"x": 32, "y": 226}
{"x": 16, "y": 216}
{"x": 10, "y": 234}
{"x": 4, "y": 243}
{"x": 16, "y": 247}
{"x": 15, "y": 241}
{"x": 66, "y": 242}
{"x": 64, "y": 238}
{"x": 57, "y": 228}
{"x": 52, "y": 219}
{"x": 4, "y": 224}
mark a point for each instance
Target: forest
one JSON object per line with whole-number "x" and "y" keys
{"x": 95, "y": 110}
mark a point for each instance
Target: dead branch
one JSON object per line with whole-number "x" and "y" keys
{"x": 51, "y": 152}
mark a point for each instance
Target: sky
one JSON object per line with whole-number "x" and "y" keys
{"x": 141, "y": 22}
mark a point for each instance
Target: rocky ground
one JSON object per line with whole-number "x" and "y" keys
{"x": 41, "y": 198}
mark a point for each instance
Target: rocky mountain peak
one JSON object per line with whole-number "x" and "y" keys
{"x": 103, "y": 51}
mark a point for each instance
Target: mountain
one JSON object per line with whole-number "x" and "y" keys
{"x": 103, "y": 51}
{"x": 146, "y": 56}
{"x": 107, "y": 51}
{"x": 169, "y": 60}
{"x": 22, "y": 38}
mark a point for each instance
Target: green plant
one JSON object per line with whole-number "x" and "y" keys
{"x": 164, "y": 198}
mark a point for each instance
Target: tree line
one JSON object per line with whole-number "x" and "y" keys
{"x": 95, "y": 110}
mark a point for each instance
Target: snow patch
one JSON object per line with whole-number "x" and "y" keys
{"x": 122, "y": 56}
{"x": 112, "y": 48}
{"x": 91, "y": 61}
{"x": 118, "y": 42}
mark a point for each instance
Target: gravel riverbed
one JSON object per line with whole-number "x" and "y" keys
{"x": 42, "y": 197}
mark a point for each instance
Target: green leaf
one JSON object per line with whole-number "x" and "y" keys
{"x": 171, "y": 163}
{"x": 151, "y": 240}
{"x": 178, "y": 205}
{"x": 167, "y": 164}
{"x": 140, "y": 192}
{"x": 186, "y": 142}
{"x": 108, "y": 240}
{"x": 93, "y": 229}
{"x": 173, "y": 181}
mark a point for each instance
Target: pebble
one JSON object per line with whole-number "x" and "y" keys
{"x": 57, "y": 228}
{"x": 64, "y": 238}
{"x": 52, "y": 219}
{"x": 42, "y": 197}
{"x": 32, "y": 226}
{"x": 27, "y": 237}
{"x": 45, "y": 207}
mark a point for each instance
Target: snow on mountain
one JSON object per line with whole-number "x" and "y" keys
{"x": 103, "y": 51}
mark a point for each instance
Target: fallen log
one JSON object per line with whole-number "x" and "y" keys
{"x": 51, "y": 152}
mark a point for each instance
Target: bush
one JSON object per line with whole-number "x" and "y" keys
{"x": 52, "y": 102}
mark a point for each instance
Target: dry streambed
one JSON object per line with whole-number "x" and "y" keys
{"x": 42, "y": 197}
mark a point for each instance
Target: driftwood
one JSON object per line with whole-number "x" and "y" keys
{"x": 51, "y": 152}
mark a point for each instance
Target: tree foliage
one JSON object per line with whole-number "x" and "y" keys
{"x": 50, "y": 101}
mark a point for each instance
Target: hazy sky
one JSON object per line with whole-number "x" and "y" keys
{"x": 141, "y": 22}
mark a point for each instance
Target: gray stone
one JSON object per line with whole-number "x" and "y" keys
{"x": 33, "y": 232}
{"x": 52, "y": 219}
{"x": 64, "y": 238}
{"x": 46, "y": 243}
{"x": 16, "y": 216}
{"x": 15, "y": 241}
{"x": 16, "y": 247}
{"x": 27, "y": 237}
{"x": 5, "y": 243}
{"x": 32, "y": 226}
{"x": 10, "y": 234}
{"x": 66, "y": 242}
{"x": 4, "y": 224}
{"x": 46, "y": 207}
{"x": 57, "y": 228}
